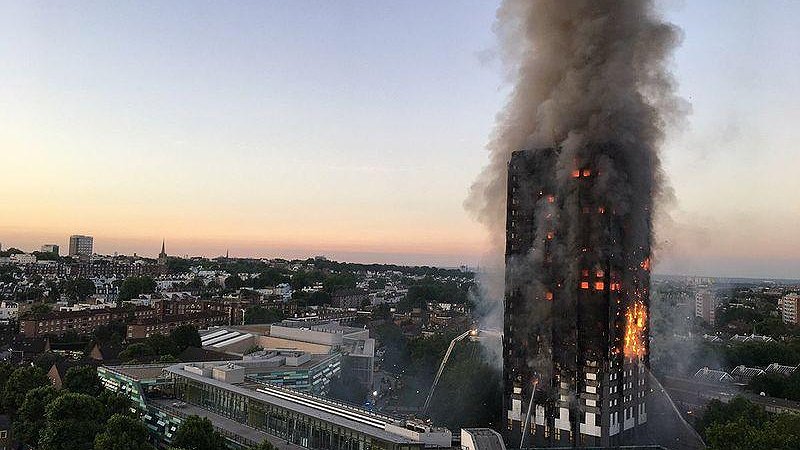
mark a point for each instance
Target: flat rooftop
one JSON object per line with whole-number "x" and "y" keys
{"x": 232, "y": 427}
{"x": 347, "y": 416}
{"x": 141, "y": 372}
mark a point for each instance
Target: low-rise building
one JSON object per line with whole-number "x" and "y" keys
{"x": 349, "y": 298}
{"x": 743, "y": 374}
{"x": 22, "y": 258}
{"x": 58, "y": 323}
{"x": 9, "y": 311}
{"x": 751, "y": 338}
{"x": 780, "y": 369}
{"x": 713, "y": 376}
{"x": 50, "y": 248}
{"x": 248, "y": 412}
{"x": 146, "y": 327}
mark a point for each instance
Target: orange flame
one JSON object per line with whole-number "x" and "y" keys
{"x": 635, "y": 323}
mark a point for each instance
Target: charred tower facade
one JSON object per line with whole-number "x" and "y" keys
{"x": 577, "y": 288}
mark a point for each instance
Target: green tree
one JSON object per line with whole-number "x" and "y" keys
{"x": 264, "y": 445}
{"x": 269, "y": 277}
{"x": 138, "y": 351}
{"x": 185, "y": 336}
{"x": 194, "y": 285}
{"x": 116, "y": 403}
{"x": 177, "y": 265}
{"x": 382, "y": 312}
{"x": 46, "y": 256}
{"x": 46, "y": 360}
{"x": 319, "y": 298}
{"x": 162, "y": 345}
{"x": 253, "y": 349}
{"x": 780, "y": 433}
{"x": 197, "y": 433}
{"x": 339, "y": 281}
{"x": 53, "y": 292}
{"x": 78, "y": 289}
{"x": 113, "y": 332}
{"x": 30, "y": 416}
{"x": 123, "y": 433}
{"x": 258, "y": 314}
{"x": 71, "y": 422}
{"x": 132, "y": 287}
{"x": 83, "y": 380}
{"x": 11, "y": 251}
{"x": 233, "y": 282}
{"x": 6, "y": 369}
{"x": 20, "y": 382}
{"x": 39, "y": 310}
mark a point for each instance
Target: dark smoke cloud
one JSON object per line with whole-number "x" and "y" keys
{"x": 584, "y": 72}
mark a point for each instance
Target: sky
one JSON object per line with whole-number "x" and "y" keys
{"x": 354, "y": 130}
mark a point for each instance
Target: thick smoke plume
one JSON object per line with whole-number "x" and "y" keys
{"x": 584, "y": 73}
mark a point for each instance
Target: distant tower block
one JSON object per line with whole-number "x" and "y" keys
{"x": 575, "y": 350}
{"x": 81, "y": 246}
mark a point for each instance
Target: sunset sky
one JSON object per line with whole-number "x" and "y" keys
{"x": 354, "y": 129}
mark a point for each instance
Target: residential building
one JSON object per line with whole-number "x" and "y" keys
{"x": 713, "y": 376}
{"x": 81, "y": 246}
{"x": 145, "y": 327}
{"x": 58, "y": 323}
{"x": 788, "y": 305}
{"x": 22, "y": 258}
{"x": 349, "y": 298}
{"x": 576, "y": 339}
{"x": 705, "y": 305}
{"x": 743, "y": 374}
{"x": 26, "y": 349}
{"x": 751, "y": 338}
{"x": 50, "y": 248}
{"x": 105, "y": 352}
{"x": 780, "y": 369}
{"x": 232, "y": 307}
{"x": 9, "y": 311}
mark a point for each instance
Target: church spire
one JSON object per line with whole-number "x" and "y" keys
{"x": 162, "y": 257}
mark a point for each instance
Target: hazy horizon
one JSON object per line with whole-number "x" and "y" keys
{"x": 280, "y": 129}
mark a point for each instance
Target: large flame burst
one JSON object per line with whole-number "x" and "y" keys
{"x": 635, "y": 323}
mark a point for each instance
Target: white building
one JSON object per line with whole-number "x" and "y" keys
{"x": 80, "y": 245}
{"x": 22, "y": 258}
{"x": 788, "y": 307}
{"x": 705, "y": 305}
{"x": 8, "y": 311}
{"x": 50, "y": 248}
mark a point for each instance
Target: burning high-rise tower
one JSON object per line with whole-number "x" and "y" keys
{"x": 573, "y": 176}
{"x": 577, "y": 279}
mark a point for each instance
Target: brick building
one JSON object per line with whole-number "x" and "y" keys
{"x": 82, "y": 322}
{"x": 145, "y": 327}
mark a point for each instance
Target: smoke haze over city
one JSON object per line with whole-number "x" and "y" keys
{"x": 193, "y": 123}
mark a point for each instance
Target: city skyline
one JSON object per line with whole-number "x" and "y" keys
{"x": 242, "y": 131}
